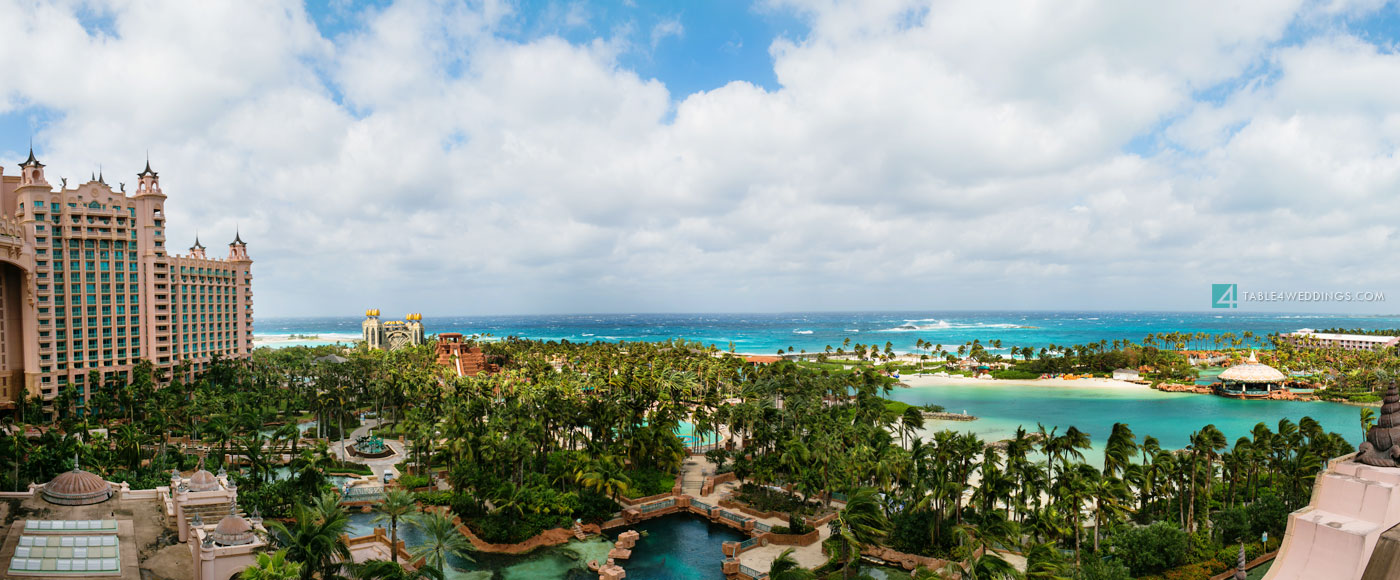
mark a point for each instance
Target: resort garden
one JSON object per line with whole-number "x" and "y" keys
{"x": 568, "y": 430}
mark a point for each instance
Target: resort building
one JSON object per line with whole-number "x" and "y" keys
{"x": 1251, "y": 379}
{"x": 1306, "y": 338}
{"x": 391, "y": 334}
{"x": 465, "y": 359}
{"x": 1127, "y": 375}
{"x": 87, "y": 284}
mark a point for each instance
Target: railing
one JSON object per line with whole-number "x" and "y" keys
{"x": 362, "y": 493}
{"x": 731, "y": 516}
{"x": 762, "y": 527}
{"x": 751, "y": 573}
{"x": 702, "y": 505}
{"x": 749, "y": 543}
{"x": 660, "y": 505}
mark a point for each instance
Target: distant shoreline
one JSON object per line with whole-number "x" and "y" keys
{"x": 934, "y": 381}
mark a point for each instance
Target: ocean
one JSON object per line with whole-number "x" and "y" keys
{"x": 814, "y": 331}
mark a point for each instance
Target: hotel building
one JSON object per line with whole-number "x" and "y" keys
{"x": 87, "y": 284}
{"x": 1308, "y": 339}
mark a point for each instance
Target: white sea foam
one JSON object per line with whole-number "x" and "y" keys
{"x": 911, "y": 326}
{"x": 802, "y": 332}
{"x": 852, "y": 330}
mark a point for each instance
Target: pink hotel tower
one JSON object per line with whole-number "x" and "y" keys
{"x": 86, "y": 284}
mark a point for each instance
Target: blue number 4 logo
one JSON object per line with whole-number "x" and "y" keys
{"x": 1224, "y": 296}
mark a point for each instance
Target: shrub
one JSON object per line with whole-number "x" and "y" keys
{"x": 502, "y": 528}
{"x": 441, "y": 498}
{"x": 595, "y": 508}
{"x": 1092, "y": 568}
{"x": 797, "y": 524}
{"x": 1198, "y": 571}
{"x": 648, "y": 482}
{"x": 1152, "y": 548}
{"x": 415, "y": 481}
{"x": 1015, "y": 375}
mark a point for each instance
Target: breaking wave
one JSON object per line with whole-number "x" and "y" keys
{"x": 935, "y": 324}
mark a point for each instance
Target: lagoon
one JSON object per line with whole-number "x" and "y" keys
{"x": 1170, "y": 417}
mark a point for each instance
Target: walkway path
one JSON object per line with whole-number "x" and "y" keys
{"x": 378, "y": 466}
{"x": 693, "y": 473}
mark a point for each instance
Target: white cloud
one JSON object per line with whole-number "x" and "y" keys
{"x": 916, "y": 154}
{"x": 668, "y": 28}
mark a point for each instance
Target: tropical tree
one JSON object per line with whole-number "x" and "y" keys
{"x": 397, "y": 504}
{"x": 272, "y": 567}
{"x": 861, "y": 523}
{"x": 440, "y": 540}
{"x": 785, "y": 567}
{"x": 312, "y": 538}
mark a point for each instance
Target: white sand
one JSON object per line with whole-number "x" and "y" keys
{"x": 931, "y": 380}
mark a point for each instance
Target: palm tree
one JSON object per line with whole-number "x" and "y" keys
{"x": 386, "y": 570}
{"x": 273, "y": 567}
{"x": 397, "y": 504}
{"x": 861, "y": 523}
{"x": 313, "y": 539}
{"x": 606, "y": 476}
{"x": 440, "y": 540}
{"x": 1043, "y": 563}
{"x": 1368, "y": 420}
{"x": 784, "y": 567}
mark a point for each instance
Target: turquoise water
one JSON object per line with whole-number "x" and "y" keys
{"x": 679, "y": 547}
{"x": 686, "y": 432}
{"x": 1170, "y": 417}
{"x": 566, "y": 562}
{"x": 813, "y": 331}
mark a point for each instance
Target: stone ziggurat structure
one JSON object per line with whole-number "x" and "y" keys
{"x": 1351, "y": 528}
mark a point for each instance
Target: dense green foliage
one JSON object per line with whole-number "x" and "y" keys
{"x": 568, "y": 429}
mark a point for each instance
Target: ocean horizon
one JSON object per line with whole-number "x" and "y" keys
{"x": 765, "y": 333}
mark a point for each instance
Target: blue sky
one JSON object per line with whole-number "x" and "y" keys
{"x": 494, "y": 156}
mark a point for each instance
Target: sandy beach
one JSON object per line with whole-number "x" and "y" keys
{"x": 931, "y": 380}
{"x": 278, "y": 340}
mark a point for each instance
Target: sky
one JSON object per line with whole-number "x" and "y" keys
{"x": 544, "y": 156}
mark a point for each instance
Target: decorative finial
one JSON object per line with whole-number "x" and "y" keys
{"x": 147, "y": 172}
{"x": 75, "y": 461}
{"x": 32, "y": 161}
{"x": 99, "y": 175}
{"x": 1240, "y": 573}
{"x": 1382, "y": 445}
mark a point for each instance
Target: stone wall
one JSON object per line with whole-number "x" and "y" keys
{"x": 551, "y": 537}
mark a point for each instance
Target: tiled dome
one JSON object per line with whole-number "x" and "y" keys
{"x": 77, "y": 487}
{"x": 202, "y": 480}
{"x": 233, "y": 530}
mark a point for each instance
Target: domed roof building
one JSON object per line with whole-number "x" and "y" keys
{"x": 233, "y": 530}
{"x": 202, "y": 480}
{"x": 1251, "y": 379}
{"x": 77, "y": 487}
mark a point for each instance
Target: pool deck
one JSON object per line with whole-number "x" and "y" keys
{"x": 693, "y": 473}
